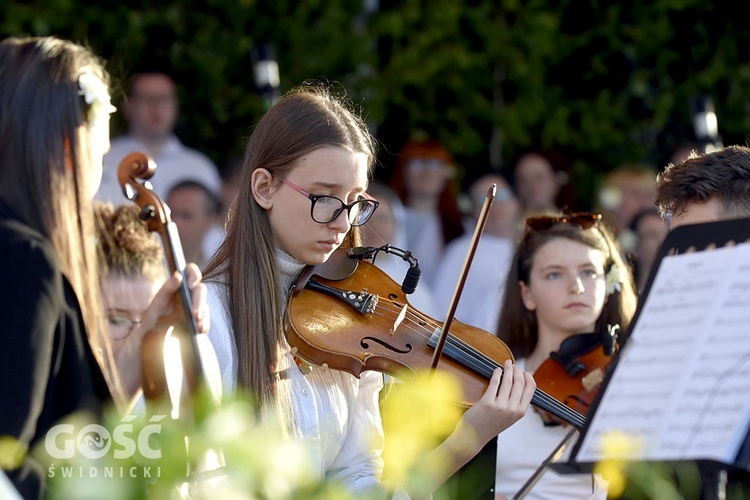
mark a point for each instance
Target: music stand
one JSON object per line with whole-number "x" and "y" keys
{"x": 684, "y": 357}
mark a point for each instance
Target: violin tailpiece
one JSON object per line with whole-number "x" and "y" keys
{"x": 362, "y": 302}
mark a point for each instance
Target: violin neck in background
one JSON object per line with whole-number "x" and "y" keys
{"x": 548, "y": 404}
{"x": 477, "y": 361}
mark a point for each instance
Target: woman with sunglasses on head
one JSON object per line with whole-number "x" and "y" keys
{"x": 302, "y": 196}
{"x": 56, "y": 358}
{"x": 567, "y": 278}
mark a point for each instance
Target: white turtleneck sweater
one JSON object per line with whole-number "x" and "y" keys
{"x": 337, "y": 414}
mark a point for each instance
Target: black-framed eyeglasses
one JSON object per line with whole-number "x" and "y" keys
{"x": 325, "y": 209}
{"x": 584, "y": 220}
{"x": 123, "y": 325}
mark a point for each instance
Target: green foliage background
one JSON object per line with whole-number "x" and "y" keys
{"x": 603, "y": 82}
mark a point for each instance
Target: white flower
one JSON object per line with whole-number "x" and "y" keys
{"x": 613, "y": 280}
{"x": 96, "y": 94}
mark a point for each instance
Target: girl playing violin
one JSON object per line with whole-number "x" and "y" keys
{"x": 567, "y": 278}
{"x": 303, "y": 195}
{"x": 56, "y": 359}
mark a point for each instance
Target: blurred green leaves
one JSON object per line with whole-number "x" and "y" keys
{"x": 603, "y": 82}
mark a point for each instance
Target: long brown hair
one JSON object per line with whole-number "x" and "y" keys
{"x": 45, "y": 176}
{"x": 518, "y": 326}
{"x": 305, "y": 119}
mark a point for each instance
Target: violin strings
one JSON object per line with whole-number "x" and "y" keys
{"x": 480, "y": 362}
{"x": 463, "y": 352}
{"x": 421, "y": 318}
{"x": 473, "y": 358}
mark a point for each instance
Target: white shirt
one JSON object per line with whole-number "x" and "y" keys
{"x": 338, "y": 415}
{"x": 174, "y": 164}
{"x": 481, "y": 299}
{"x": 523, "y": 447}
{"x": 424, "y": 237}
{"x": 212, "y": 241}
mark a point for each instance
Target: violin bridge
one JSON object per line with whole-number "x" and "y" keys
{"x": 399, "y": 319}
{"x": 593, "y": 378}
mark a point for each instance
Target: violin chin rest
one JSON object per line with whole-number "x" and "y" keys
{"x": 339, "y": 266}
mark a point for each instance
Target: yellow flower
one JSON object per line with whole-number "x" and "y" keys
{"x": 419, "y": 415}
{"x": 12, "y": 452}
{"x": 617, "y": 449}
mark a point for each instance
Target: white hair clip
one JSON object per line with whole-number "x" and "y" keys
{"x": 613, "y": 280}
{"x": 96, "y": 94}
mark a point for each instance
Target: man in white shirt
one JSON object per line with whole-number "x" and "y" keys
{"x": 151, "y": 109}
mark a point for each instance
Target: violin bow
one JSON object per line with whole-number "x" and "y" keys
{"x": 478, "y": 230}
{"x": 554, "y": 456}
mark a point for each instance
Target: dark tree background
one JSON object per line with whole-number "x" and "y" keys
{"x": 603, "y": 82}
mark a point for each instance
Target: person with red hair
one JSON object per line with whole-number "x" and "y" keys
{"x": 424, "y": 179}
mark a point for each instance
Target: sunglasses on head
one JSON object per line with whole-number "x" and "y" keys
{"x": 583, "y": 220}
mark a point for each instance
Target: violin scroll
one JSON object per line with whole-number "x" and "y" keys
{"x": 133, "y": 174}
{"x": 139, "y": 166}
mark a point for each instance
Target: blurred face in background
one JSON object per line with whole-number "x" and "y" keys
{"x": 536, "y": 183}
{"x": 627, "y": 191}
{"x": 506, "y": 210}
{"x": 192, "y": 215}
{"x": 151, "y": 109}
{"x": 638, "y": 194}
{"x": 426, "y": 177}
{"x": 126, "y": 299}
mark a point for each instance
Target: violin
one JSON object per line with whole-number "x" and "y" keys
{"x": 196, "y": 365}
{"x": 349, "y": 315}
{"x": 574, "y": 373}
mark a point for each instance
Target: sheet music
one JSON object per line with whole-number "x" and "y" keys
{"x": 682, "y": 385}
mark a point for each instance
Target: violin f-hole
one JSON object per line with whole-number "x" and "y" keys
{"x": 407, "y": 348}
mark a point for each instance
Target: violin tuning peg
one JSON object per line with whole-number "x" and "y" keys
{"x": 148, "y": 212}
{"x": 129, "y": 192}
